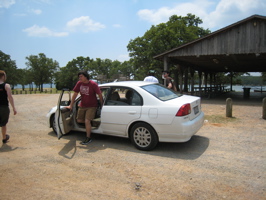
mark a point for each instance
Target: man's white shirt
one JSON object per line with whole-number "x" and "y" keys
{"x": 151, "y": 79}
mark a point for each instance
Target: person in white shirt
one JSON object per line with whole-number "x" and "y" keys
{"x": 151, "y": 77}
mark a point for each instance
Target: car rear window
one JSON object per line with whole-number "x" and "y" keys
{"x": 161, "y": 92}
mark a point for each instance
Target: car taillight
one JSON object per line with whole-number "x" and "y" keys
{"x": 184, "y": 110}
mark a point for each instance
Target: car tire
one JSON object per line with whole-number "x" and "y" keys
{"x": 143, "y": 136}
{"x": 52, "y": 121}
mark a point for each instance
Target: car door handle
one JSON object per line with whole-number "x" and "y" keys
{"x": 132, "y": 112}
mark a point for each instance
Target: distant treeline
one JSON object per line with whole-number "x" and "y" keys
{"x": 252, "y": 80}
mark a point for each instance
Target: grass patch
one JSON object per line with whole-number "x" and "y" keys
{"x": 36, "y": 91}
{"x": 220, "y": 119}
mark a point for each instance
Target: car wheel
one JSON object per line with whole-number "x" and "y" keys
{"x": 53, "y": 123}
{"x": 143, "y": 136}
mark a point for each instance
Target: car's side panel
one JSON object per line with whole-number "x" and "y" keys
{"x": 115, "y": 119}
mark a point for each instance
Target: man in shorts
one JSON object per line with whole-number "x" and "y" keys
{"x": 88, "y": 90}
{"x": 5, "y": 99}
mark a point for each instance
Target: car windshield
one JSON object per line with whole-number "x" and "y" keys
{"x": 161, "y": 92}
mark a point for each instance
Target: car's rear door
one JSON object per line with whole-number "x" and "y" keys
{"x": 117, "y": 114}
{"x": 63, "y": 115}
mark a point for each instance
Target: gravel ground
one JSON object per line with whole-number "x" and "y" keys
{"x": 224, "y": 160}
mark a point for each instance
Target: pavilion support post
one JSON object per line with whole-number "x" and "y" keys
{"x": 211, "y": 76}
{"x": 165, "y": 66}
{"x": 200, "y": 81}
{"x": 192, "y": 72}
{"x": 176, "y": 77}
{"x": 211, "y": 84}
{"x": 215, "y": 82}
{"x": 181, "y": 74}
{"x": 231, "y": 80}
{"x": 205, "y": 81}
{"x": 186, "y": 79}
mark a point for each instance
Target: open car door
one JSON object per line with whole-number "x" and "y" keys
{"x": 63, "y": 115}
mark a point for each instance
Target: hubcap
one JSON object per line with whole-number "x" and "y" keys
{"x": 142, "y": 137}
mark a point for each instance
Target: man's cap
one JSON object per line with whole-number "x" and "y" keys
{"x": 151, "y": 71}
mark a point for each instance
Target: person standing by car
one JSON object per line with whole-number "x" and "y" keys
{"x": 5, "y": 98}
{"x": 151, "y": 77}
{"x": 169, "y": 80}
{"x": 88, "y": 90}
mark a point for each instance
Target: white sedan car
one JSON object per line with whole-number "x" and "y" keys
{"x": 145, "y": 112}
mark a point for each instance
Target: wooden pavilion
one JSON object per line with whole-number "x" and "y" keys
{"x": 239, "y": 47}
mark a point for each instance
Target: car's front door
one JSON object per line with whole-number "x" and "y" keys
{"x": 63, "y": 115}
{"x": 120, "y": 110}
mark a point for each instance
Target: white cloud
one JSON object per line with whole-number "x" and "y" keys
{"x": 155, "y": 16}
{"x": 224, "y": 13}
{"x": 6, "y": 3}
{"x": 36, "y": 11}
{"x": 20, "y": 14}
{"x": 84, "y": 24}
{"x": 117, "y": 25}
{"x": 198, "y": 7}
{"x": 36, "y": 31}
{"x": 230, "y": 11}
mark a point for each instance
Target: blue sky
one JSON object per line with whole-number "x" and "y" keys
{"x": 66, "y": 29}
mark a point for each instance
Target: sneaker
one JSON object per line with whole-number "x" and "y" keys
{"x": 5, "y": 140}
{"x": 86, "y": 141}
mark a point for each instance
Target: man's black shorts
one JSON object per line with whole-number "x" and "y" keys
{"x": 4, "y": 115}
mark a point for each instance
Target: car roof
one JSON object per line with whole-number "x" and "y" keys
{"x": 127, "y": 83}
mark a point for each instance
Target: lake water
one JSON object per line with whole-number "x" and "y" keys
{"x": 237, "y": 88}
{"x": 27, "y": 86}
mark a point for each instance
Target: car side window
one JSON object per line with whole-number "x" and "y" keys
{"x": 114, "y": 97}
{"x": 136, "y": 100}
{"x": 123, "y": 97}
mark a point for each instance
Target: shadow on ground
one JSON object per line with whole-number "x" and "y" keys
{"x": 190, "y": 150}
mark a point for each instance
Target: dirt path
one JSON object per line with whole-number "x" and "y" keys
{"x": 224, "y": 160}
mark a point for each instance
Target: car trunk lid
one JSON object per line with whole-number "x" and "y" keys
{"x": 194, "y": 102}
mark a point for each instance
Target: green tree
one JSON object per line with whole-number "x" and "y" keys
{"x": 9, "y": 66}
{"x": 127, "y": 69}
{"x": 41, "y": 69}
{"x": 67, "y": 76}
{"x": 160, "y": 38}
{"x": 24, "y": 78}
{"x": 100, "y": 66}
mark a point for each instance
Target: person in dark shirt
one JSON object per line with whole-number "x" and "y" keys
{"x": 5, "y": 98}
{"x": 166, "y": 75}
{"x": 169, "y": 80}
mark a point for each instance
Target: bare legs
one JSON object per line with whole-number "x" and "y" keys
{"x": 87, "y": 125}
{"x": 4, "y": 128}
